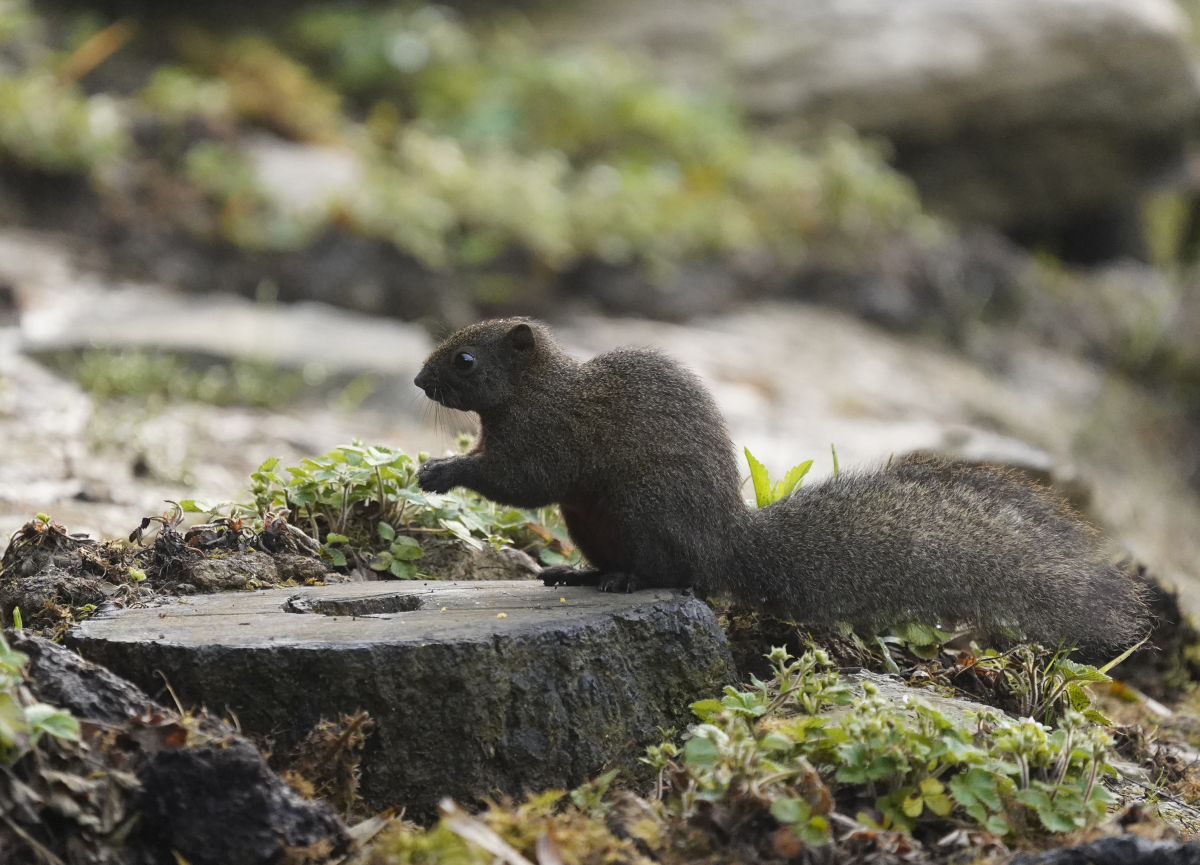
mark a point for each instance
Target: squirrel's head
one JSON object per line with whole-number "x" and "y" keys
{"x": 478, "y": 367}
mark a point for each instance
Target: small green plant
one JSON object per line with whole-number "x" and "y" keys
{"x": 361, "y": 504}
{"x": 905, "y": 763}
{"x": 23, "y": 720}
{"x": 1045, "y": 685}
{"x": 765, "y": 492}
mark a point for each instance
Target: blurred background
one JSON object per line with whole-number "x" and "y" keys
{"x": 230, "y": 231}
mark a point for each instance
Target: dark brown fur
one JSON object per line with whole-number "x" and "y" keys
{"x": 634, "y": 450}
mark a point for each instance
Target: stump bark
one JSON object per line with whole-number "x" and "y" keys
{"x": 475, "y": 688}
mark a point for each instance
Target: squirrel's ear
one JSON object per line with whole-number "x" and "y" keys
{"x": 521, "y": 337}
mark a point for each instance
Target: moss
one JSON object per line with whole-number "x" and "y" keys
{"x": 475, "y": 145}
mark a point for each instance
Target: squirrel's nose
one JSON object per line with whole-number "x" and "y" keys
{"x": 422, "y": 380}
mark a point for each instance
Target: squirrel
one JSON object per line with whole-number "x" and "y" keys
{"x": 634, "y": 451}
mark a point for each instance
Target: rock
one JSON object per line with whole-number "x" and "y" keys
{"x": 486, "y": 687}
{"x": 1015, "y": 113}
{"x": 88, "y": 691}
{"x": 453, "y": 560}
{"x": 327, "y": 343}
{"x": 53, "y": 585}
{"x": 300, "y": 569}
{"x": 222, "y": 803}
{"x": 206, "y": 794}
{"x": 1128, "y": 849}
{"x": 245, "y": 570}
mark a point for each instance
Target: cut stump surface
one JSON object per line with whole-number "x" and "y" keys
{"x": 475, "y": 688}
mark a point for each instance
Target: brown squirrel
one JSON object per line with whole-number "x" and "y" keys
{"x": 634, "y": 451}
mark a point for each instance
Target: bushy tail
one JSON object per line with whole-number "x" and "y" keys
{"x": 939, "y": 542}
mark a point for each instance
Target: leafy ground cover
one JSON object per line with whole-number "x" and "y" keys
{"x": 356, "y": 508}
{"x": 809, "y": 758}
{"x": 476, "y": 149}
{"x": 811, "y": 764}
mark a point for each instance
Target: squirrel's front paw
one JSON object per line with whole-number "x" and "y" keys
{"x": 438, "y": 476}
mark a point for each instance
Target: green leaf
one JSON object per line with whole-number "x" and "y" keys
{"x": 14, "y": 729}
{"x": 56, "y": 722}
{"x": 386, "y": 531}
{"x": 335, "y": 538}
{"x": 705, "y": 709}
{"x": 1057, "y": 821}
{"x": 1097, "y": 717}
{"x": 700, "y": 752}
{"x": 888, "y": 661}
{"x": 789, "y": 810}
{"x": 1078, "y": 698}
{"x": 462, "y": 533}
{"x": 939, "y": 804}
{"x": 976, "y": 785}
{"x": 776, "y": 742}
{"x": 1121, "y": 657}
{"x": 836, "y": 469}
{"x": 744, "y": 702}
{"x": 336, "y": 556}
{"x": 997, "y": 825}
{"x": 760, "y": 480}
{"x": 918, "y": 634}
{"x": 814, "y": 832}
{"x": 403, "y": 570}
{"x": 931, "y": 787}
{"x": 406, "y": 549}
{"x": 1034, "y": 798}
{"x": 1074, "y": 672}
{"x": 790, "y": 481}
{"x": 17, "y": 618}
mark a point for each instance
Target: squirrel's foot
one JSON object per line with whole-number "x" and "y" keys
{"x": 439, "y": 475}
{"x": 618, "y": 581}
{"x": 565, "y": 575}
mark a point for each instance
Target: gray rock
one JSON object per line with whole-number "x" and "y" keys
{"x": 496, "y": 686}
{"x": 52, "y": 585}
{"x": 328, "y": 344}
{"x": 454, "y": 560}
{"x": 64, "y": 679}
{"x": 232, "y": 573}
{"x": 1004, "y": 111}
{"x": 206, "y": 794}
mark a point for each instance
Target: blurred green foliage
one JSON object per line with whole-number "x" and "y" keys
{"x": 160, "y": 375}
{"x": 46, "y": 122}
{"x": 473, "y": 143}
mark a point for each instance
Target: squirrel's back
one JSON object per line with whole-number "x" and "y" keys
{"x": 928, "y": 540}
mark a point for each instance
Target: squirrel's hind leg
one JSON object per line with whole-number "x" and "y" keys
{"x": 619, "y": 581}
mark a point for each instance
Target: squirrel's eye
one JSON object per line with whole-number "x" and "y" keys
{"x": 464, "y": 360}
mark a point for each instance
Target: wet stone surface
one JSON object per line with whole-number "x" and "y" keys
{"x": 475, "y": 688}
